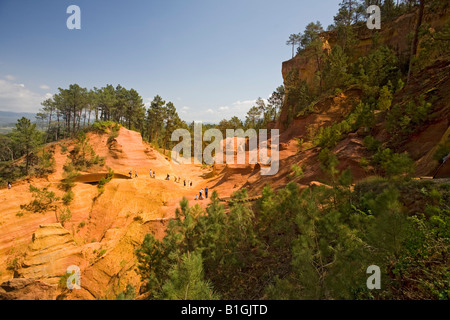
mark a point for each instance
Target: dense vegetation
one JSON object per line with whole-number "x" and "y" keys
{"x": 314, "y": 243}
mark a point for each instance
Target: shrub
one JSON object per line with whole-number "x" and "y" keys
{"x": 299, "y": 144}
{"x": 102, "y": 126}
{"x": 385, "y": 99}
{"x": 68, "y": 197}
{"x": 371, "y": 143}
{"x": 114, "y": 133}
{"x": 46, "y": 163}
{"x": 103, "y": 181}
{"x": 43, "y": 200}
{"x": 65, "y": 215}
{"x": 408, "y": 118}
{"x": 69, "y": 176}
{"x": 128, "y": 294}
{"x": 442, "y": 150}
{"x": 63, "y": 148}
{"x": 83, "y": 155}
{"x": 297, "y": 171}
{"x": 393, "y": 164}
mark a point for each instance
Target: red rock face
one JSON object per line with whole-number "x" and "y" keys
{"x": 27, "y": 289}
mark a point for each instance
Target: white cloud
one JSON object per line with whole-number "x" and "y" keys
{"x": 16, "y": 98}
{"x": 184, "y": 110}
{"x": 244, "y": 103}
{"x": 217, "y": 113}
{"x": 44, "y": 87}
{"x": 10, "y": 77}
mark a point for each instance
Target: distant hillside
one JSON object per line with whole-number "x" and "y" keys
{"x": 8, "y": 119}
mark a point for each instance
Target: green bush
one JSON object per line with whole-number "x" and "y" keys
{"x": 371, "y": 143}
{"x": 128, "y": 294}
{"x": 69, "y": 176}
{"x": 46, "y": 163}
{"x": 114, "y": 133}
{"x": 102, "y": 126}
{"x": 297, "y": 171}
{"x": 394, "y": 164}
{"x": 408, "y": 118}
{"x": 68, "y": 197}
{"x": 63, "y": 148}
{"x": 43, "y": 200}
{"x": 83, "y": 155}
{"x": 442, "y": 150}
{"x": 385, "y": 99}
{"x": 64, "y": 215}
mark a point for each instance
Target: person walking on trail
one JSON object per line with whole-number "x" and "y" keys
{"x": 9, "y": 185}
{"x": 190, "y": 184}
{"x": 135, "y": 174}
{"x": 168, "y": 177}
{"x": 200, "y": 193}
{"x": 184, "y": 182}
{"x": 150, "y": 173}
{"x": 154, "y": 175}
{"x": 131, "y": 174}
{"x": 206, "y": 192}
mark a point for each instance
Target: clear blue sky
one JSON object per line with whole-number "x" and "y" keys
{"x": 211, "y": 58}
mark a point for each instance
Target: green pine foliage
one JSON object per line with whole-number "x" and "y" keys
{"x": 83, "y": 155}
{"x": 186, "y": 280}
{"x": 26, "y": 137}
{"x": 314, "y": 243}
{"x": 43, "y": 200}
{"x": 405, "y": 119}
{"x": 128, "y": 294}
{"x": 46, "y": 163}
{"x": 442, "y": 150}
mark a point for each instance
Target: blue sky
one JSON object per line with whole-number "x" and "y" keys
{"x": 211, "y": 58}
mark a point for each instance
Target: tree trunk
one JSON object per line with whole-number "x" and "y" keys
{"x": 416, "y": 37}
{"x": 57, "y": 129}
{"x": 27, "y": 160}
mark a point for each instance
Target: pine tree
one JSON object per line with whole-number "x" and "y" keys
{"x": 335, "y": 74}
{"x": 186, "y": 280}
{"x": 26, "y": 138}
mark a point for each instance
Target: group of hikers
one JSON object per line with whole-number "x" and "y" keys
{"x": 131, "y": 174}
{"x": 199, "y": 196}
{"x": 187, "y": 183}
{"x": 178, "y": 180}
{"x": 152, "y": 174}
